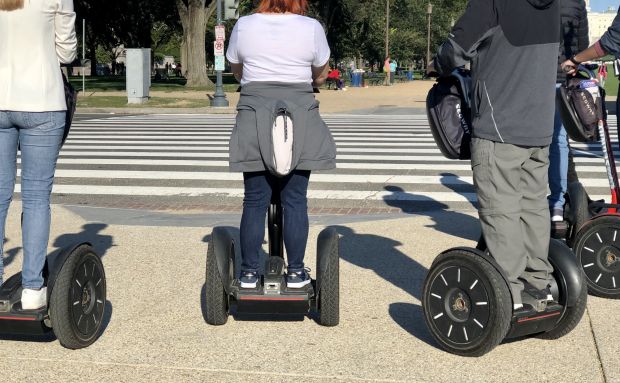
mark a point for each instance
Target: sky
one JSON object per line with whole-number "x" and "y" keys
{"x": 602, "y": 5}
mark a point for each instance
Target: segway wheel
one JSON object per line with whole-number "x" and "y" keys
{"x": 579, "y": 213}
{"x": 216, "y": 300}
{"x": 597, "y": 247}
{"x": 467, "y": 304}
{"x": 328, "y": 273}
{"x": 78, "y": 299}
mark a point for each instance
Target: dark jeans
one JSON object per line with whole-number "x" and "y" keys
{"x": 258, "y": 189}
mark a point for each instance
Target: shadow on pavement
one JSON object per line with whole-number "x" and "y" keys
{"x": 381, "y": 255}
{"x": 446, "y": 221}
{"x": 90, "y": 233}
{"x": 9, "y": 255}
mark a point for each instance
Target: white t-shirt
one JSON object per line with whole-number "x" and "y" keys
{"x": 278, "y": 47}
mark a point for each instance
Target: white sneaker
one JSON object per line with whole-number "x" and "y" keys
{"x": 517, "y": 306}
{"x": 34, "y": 299}
{"x": 557, "y": 218}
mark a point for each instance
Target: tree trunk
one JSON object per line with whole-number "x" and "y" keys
{"x": 194, "y": 22}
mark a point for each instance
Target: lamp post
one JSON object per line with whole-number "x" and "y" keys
{"x": 429, "y": 12}
{"x": 387, "y": 28}
{"x": 219, "y": 98}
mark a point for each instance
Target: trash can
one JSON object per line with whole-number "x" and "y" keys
{"x": 356, "y": 79}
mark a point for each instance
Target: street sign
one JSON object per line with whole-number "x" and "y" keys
{"x": 220, "y": 33}
{"x": 218, "y": 48}
{"x": 219, "y": 63}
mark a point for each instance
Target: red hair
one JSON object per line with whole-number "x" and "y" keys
{"x": 282, "y": 6}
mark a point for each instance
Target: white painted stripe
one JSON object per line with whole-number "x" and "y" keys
{"x": 587, "y": 248}
{"x": 588, "y": 265}
{"x": 599, "y": 278}
{"x": 371, "y": 138}
{"x": 225, "y": 176}
{"x": 211, "y": 133}
{"x": 465, "y": 333}
{"x": 473, "y": 284}
{"x": 436, "y": 296}
{"x": 450, "y": 330}
{"x": 481, "y": 303}
{"x": 166, "y": 149}
{"x": 478, "y": 323}
{"x": 438, "y": 316}
{"x": 239, "y": 193}
{"x": 350, "y": 157}
{"x": 71, "y": 141}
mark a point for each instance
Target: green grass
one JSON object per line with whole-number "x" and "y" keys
{"x": 153, "y": 102}
{"x": 611, "y": 85}
{"x": 118, "y": 83}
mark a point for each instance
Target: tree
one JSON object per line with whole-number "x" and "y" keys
{"x": 194, "y": 15}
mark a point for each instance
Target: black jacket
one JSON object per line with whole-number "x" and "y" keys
{"x": 574, "y": 37}
{"x": 513, "y": 46}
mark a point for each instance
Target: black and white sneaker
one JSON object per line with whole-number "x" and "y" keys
{"x": 547, "y": 291}
{"x": 296, "y": 279}
{"x": 248, "y": 280}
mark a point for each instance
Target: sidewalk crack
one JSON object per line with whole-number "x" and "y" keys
{"x": 598, "y": 351}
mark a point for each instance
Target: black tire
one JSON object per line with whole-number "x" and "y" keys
{"x": 571, "y": 317}
{"x": 467, "y": 304}
{"x": 597, "y": 247}
{"x": 579, "y": 211}
{"x": 78, "y": 299}
{"x": 216, "y": 299}
{"x": 329, "y": 294}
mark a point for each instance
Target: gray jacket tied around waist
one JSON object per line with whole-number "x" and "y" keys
{"x": 251, "y": 148}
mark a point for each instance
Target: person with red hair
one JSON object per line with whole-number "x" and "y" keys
{"x": 278, "y": 54}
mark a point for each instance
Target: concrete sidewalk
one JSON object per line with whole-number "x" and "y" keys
{"x": 156, "y": 331}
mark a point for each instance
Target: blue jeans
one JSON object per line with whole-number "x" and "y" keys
{"x": 258, "y": 189}
{"x": 558, "y": 164}
{"x": 39, "y": 136}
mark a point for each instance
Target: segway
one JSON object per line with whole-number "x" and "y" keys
{"x": 468, "y": 306}
{"x": 594, "y": 225}
{"x": 76, "y": 296}
{"x": 223, "y": 293}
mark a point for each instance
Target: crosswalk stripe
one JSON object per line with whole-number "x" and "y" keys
{"x": 179, "y": 155}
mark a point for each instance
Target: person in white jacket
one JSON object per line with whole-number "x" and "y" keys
{"x": 36, "y": 36}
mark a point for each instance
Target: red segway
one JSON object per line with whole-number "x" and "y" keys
{"x": 594, "y": 226}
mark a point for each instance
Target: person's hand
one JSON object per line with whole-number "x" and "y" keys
{"x": 569, "y": 67}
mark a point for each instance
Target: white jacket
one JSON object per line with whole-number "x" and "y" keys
{"x": 33, "y": 42}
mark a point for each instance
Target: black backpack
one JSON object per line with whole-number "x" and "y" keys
{"x": 582, "y": 106}
{"x": 449, "y": 114}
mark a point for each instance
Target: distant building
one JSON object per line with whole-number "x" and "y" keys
{"x": 598, "y": 22}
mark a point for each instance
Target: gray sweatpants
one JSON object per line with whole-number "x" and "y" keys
{"x": 511, "y": 183}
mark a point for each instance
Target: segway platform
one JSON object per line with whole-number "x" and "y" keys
{"x": 76, "y": 289}
{"x": 271, "y": 296}
{"x": 15, "y": 320}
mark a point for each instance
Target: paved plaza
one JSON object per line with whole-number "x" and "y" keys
{"x": 146, "y": 190}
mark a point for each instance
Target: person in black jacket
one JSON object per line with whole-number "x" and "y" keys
{"x": 574, "y": 38}
{"x": 513, "y": 48}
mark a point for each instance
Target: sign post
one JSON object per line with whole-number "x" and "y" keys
{"x": 219, "y": 98}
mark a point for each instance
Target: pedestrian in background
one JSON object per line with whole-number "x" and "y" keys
{"x": 574, "y": 38}
{"x": 386, "y": 70}
{"x": 32, "y": 114}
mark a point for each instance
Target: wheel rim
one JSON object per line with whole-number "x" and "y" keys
{"x": 87, "y": 297}
{"x": 600, "y": 257}
{"x": 459, "y": 306}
